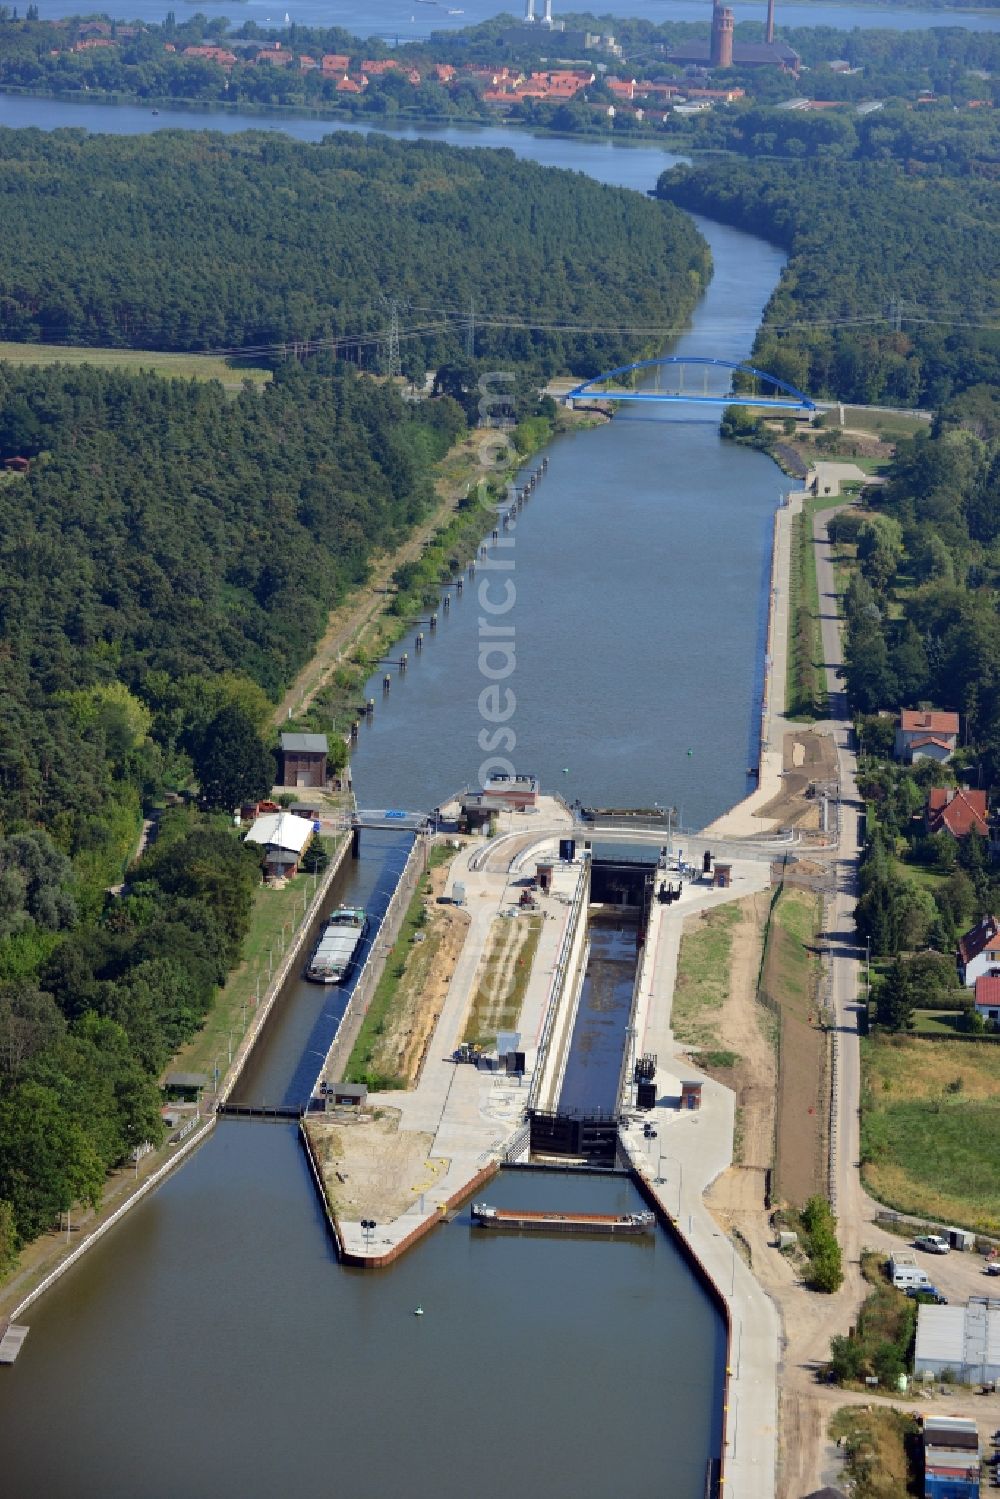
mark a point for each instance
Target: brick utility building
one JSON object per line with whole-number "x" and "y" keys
{"x": 303, "y": 760}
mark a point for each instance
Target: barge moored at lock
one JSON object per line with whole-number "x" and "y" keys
{"x": 614, "y": 1225}
{"x": 339, "y": 941}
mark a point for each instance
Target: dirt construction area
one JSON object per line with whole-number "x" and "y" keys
{"x": 810, "y": 759}
{"x": 368, "y": 1166}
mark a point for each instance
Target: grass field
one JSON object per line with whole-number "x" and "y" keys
{"x": 702, "y": 985}
{"x": 888, "y": 424}
{"x": 503, "y": 979}
{"x": 930, "y": 1128}
{"x": 176, "y": 366}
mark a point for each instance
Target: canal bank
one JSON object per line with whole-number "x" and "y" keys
{"x": 226, "y": 1273}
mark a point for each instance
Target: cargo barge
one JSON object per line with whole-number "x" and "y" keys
{"x": 341, "y": 937}
{"x": 519, "y": 1221}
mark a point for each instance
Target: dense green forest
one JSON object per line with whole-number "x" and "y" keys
{"x": 169, "y": 241}
{"x": 921, "y": 611}
{"x": 169, "y": 557}
{"x": 165, "y": 566}
{"x": 870, "y": 245}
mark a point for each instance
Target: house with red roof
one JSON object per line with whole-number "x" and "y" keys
{"x": 335, "y": 62}
{"x": 926, "y": 735}
{"x": 979, "y": 952}
{"x": 444, "y": 72}
{"x": 219, "y": 55}
{"x": 988, "y": 998}
{"x": 353, "y": 85}
{"x": 958, "y": 811}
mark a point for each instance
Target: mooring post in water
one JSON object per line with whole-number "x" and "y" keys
{"x": 460, "y": 584}
{"x": 386, "y": 682}
{"x": 434, "y": 621}
{"x": 419, "y": 642}
{"x": 446, "y": 602}
{"x": 370, "y": 708}
{"x": 356, "y": 841}
{"x": 355, "y": 726}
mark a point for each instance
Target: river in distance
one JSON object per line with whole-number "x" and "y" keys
{"x": 415, "y": 20}
{"x": 210, "y": 1342}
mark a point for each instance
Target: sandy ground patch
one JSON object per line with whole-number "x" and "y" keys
{"x": 368, "y": 1166}
{"x": 745, "y": 1027}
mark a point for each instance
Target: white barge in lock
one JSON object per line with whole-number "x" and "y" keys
{"x": 339, "y": 940}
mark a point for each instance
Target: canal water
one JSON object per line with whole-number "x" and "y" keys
{"x": 283, "y": 1067}
{"x": 210, "y": 1343}
{"x": 593, "y": 1067}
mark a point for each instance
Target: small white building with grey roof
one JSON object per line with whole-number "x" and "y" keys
{"x": 283, "y": 838}
{"x": 964, "y": 1340}
{"x": 303, "y": 760}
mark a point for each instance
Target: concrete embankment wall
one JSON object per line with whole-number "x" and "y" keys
{"x": 195, "y": 1138}
{"x": 563, "y": 1001}
{"x": 423, "y": 1227}
{"x": 711, "y": 1288}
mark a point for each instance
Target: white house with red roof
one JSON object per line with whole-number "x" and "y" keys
{"x": 958, "y": 811}
{"x": 926, "y": 735}
{"x": 988, "y": 998}
{"x": 979, "y": 952}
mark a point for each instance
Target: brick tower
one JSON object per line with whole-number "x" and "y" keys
{"x": 722, "y": 37}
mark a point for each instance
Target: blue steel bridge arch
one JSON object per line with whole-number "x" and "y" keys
{"x": 791, "y": 400}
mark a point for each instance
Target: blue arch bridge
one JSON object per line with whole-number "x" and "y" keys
{"x": 693, "y": 381}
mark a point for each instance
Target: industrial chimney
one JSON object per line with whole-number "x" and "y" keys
{"x": 529, "y": 12}
{"x": 769, "y": 34}
{"x": 547, "y": 19}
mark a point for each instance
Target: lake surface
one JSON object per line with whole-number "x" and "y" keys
{"x": 211, "y": 1344}
{"x": 413, "y": 20}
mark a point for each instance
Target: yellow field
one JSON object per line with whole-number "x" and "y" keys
{"x": 170, "y": 366}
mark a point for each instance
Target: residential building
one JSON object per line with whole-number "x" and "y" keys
{"x": 988, "y": 998}
{"x": 958, "y": 811}
{"x": 335, "y": 62}
{"x": 979, "y": 952}
{"x": 925, "y": 735}
{"x": 284, "y": 838}
{"x": 303, "y": 759}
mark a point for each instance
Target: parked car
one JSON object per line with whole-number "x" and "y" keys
{"x": 992, "y": 1267}
{"x": 929, "y": 1294}
{"x": 932, "y": 1244}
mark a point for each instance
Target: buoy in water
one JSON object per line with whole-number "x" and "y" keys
{"x": 690, "y": 752}
{"x": 565, "y": 770}
{"x": 418, "y": 1311}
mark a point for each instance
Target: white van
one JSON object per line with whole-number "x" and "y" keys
{"x": 904, "y": 1276}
